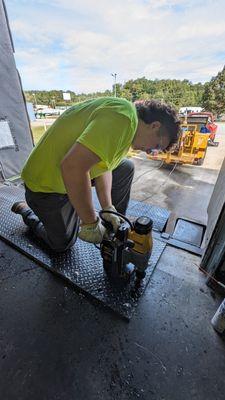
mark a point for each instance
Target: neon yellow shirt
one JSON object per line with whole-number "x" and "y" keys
{"x": 106, "y": 126}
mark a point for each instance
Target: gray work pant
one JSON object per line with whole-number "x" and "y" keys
{"x": 53, "y": 219}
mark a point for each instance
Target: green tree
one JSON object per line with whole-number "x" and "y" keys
{"x": 172, "y": 91}
{"x": 214, "y": 94}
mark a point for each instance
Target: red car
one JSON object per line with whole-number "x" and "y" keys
{"x": 209, "y": 125}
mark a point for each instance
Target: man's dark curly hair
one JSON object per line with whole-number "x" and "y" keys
{"x": 151, "y": 110}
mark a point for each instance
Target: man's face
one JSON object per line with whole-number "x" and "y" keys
{"x": 157, "y": 141}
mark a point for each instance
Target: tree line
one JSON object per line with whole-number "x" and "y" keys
{"x": 178, "y": 93}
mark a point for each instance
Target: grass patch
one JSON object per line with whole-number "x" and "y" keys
{"x": 38, "y": 131}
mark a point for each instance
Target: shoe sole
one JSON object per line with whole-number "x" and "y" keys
{"x": 15, "y": 207}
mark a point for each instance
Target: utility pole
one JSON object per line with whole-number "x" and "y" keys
{"x": 35, "y": 100}
{"x": 114, "y": 76}
{"x": 53, "y": 102}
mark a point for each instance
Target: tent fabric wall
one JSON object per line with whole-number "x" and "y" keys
{"x": 14, "y": 120}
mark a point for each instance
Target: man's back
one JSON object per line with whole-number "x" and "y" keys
{"x": 105, "y": 125}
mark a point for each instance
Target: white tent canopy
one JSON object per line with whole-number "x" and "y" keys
{"x": 15, "y": 134}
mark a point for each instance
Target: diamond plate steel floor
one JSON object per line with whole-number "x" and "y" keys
{"x": 81, "y": 265}
{"x": 136, "y": 208}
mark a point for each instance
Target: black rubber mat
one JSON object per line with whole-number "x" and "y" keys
{"x": 81, "y": 265}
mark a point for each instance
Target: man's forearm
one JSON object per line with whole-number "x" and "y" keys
{"x": 103, "y": 186}
{"x": 78, "y": 187}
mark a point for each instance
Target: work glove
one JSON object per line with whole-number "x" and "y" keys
{"x": 112, "y": 218}
{"x": 92, "y": 233}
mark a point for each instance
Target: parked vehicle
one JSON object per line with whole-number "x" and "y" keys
{"x": 205, "y": 122}
{"x": 48, "y": 112}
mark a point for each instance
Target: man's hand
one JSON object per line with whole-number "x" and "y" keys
{"x": 92, "y": 233}
{"x": 112, "y": 218}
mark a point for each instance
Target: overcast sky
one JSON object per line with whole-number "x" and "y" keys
{"x": 77, "y": 44}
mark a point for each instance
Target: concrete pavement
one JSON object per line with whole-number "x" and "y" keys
{"x": 186, "y": 190}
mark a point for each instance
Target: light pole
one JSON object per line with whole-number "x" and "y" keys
{"x": 35, "y": 100}
{"x": 53, "y": 102}
{"x": 114, "y": 76}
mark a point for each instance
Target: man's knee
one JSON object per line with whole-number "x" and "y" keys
{"x": 59, "y": 246}
{"x": 57, "y": 249}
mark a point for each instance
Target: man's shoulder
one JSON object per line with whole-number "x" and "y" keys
{"x": 117, "y": 105}
{"x": 109, "y": 100}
